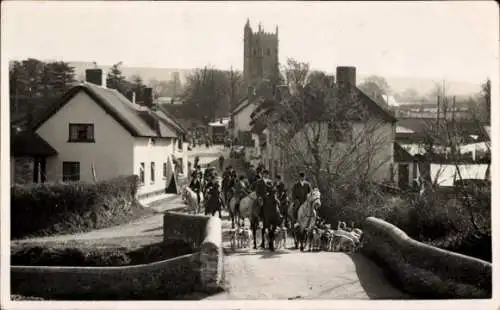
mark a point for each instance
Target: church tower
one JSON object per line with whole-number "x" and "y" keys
{"x": 260, "y": 61}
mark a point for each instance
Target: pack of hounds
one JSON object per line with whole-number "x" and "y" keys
{"x": 320, "y": 238}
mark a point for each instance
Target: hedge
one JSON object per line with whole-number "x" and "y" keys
{"x": 55, "y": 208}
{"x": 53, "y": 255}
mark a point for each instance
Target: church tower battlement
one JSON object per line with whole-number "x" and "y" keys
{"x": 260, "y": 61}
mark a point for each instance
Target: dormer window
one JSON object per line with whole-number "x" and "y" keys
{"x": 81, "y": 133}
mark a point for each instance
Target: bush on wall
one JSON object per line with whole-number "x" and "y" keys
{"x": 54, "y": 208}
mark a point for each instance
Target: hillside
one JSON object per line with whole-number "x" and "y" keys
{"x": 160, "y": 74}
{"x": 397, "y": 83}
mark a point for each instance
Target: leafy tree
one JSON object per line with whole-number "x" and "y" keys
{"x": 373, "y": 90}
{"x": 137, "y": 86}
{"x": 116, "y": 80}
{"x": 381, "y": 82}
{"x": 35, "y": 85}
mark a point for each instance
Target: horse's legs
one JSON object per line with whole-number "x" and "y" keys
{"x": 309, "y": 239}
{"x": 295, "y": 237}
{"x": 301, "y": 239}
{"x": 271, "y": 237}
{"x": 286, "y": 214}
{"x": 262, "y": 243}
{"x": 254, "y": 232}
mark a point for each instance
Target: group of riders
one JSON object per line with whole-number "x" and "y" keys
{"x": 239, "y": 186}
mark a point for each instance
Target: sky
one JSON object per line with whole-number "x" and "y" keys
{"x": 450, "y": 40}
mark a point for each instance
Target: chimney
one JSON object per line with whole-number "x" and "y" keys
{"x": 96, "y": 76}
{"x": 346, "y": 75}
{"x": 148, "y": 97}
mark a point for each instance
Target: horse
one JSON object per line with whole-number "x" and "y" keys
{"x": 250, "y": 208}
{"x": 233, "y": 214}
{"x": 271, "y": 217}
{"x": 306, "y": 218}
{"x": 247, "y": 206}
{"x": 189, "y": 196}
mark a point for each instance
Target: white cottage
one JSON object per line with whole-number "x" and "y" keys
{"x": 99, "y": 134}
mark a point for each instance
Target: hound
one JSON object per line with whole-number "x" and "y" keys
{"x": 281, "y": 237}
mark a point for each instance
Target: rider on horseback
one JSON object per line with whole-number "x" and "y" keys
{"x": 214, "y": 196}
{"x": 263, "y": 187}
{"x": 208, "y": 186}
{"x": 300, "y": 191}
{"x": 240, "y": 190}
{"x": 195, "y": 185}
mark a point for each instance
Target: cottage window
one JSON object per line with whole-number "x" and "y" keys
{"x": 71, "y": 171}
{"x": 339, "y": 131}
{"x": 164, "y": 170}
{"x": 81, "y": 133}
{"x": 152, "y": 172}
{"x": 141, "y": 173}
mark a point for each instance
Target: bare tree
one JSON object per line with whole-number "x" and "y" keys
{"x": 326, "y": 131}
{"x": 206, "y": 94}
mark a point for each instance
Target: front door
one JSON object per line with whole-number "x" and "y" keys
{"x": 403, "y": 176}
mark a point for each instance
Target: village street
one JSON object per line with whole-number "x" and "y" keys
{"x": 260, "y": 274}
{"x": 257, "y": 274}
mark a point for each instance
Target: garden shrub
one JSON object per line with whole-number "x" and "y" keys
{"x": 58, "y": 208}
{"x": 54, "y": 255}
{"x": 440, "y": 218}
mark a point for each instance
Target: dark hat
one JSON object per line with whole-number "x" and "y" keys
{"x": 241, "y": 177}
{"x": 302, "y": 174}
{"x": 278, "y": 177}
{"x": 265, "y": 172}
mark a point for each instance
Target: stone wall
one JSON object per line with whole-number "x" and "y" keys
{"x": 200, "y": 271}
{"x": 422, "y": 270}
{"x": 205, "y": 235}
{"x": 159, "y": 280}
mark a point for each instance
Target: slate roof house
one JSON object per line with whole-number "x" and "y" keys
{"x": 95, "y": 132}
{"x": 381, "y": 157}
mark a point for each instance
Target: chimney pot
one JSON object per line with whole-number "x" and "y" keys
{"x": 96, "y": 76}
{"x": 346, "y": 75}
{"x": 148, "y": 97}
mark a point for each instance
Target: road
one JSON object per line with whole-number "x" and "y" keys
{"x": 260, "y": 274}
{"x": 291, "y": 274}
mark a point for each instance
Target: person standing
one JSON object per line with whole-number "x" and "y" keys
{"x": 196, "y": 187}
